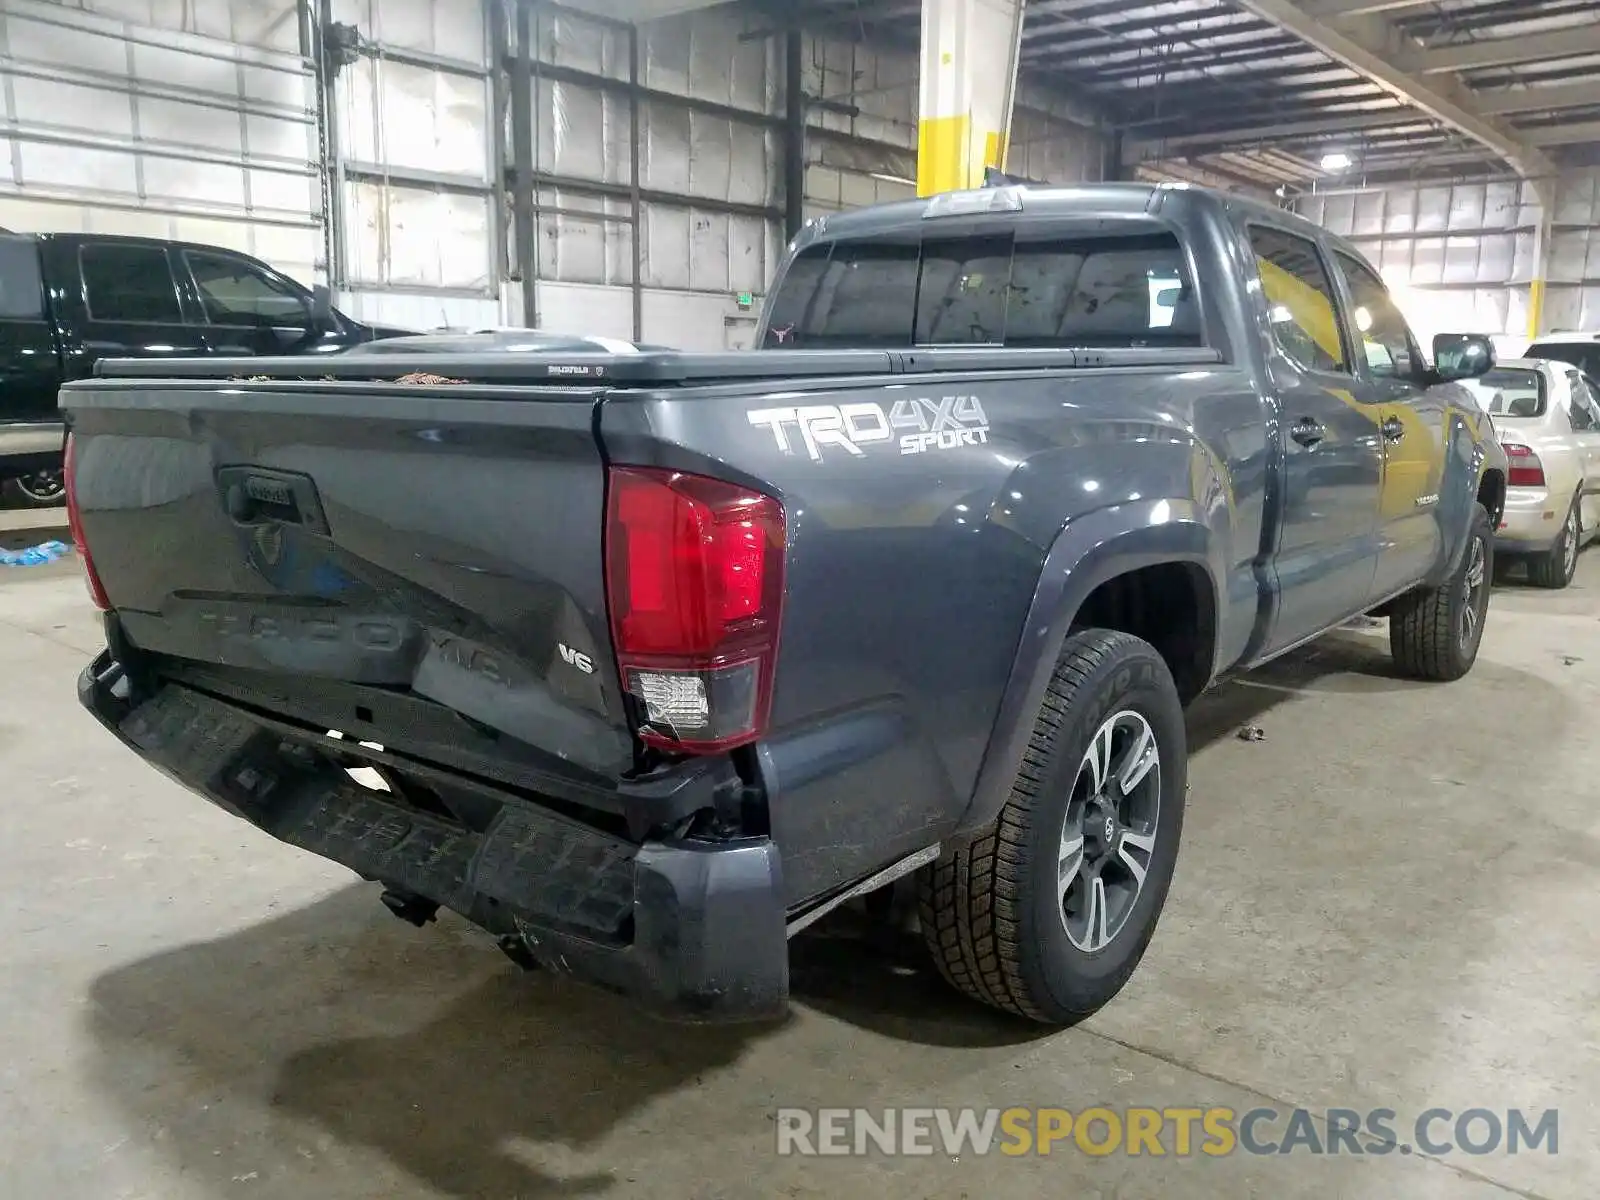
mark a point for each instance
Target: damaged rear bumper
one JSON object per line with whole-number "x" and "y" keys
{"x": 692, "y": 930}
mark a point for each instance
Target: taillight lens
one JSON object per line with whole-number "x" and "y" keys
{"x": 694, "y": 588}
{"x": 97, "y": 590}
{"x": 1524, "y": 469}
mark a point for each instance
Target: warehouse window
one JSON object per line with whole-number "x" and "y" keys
{"x": 236, "y": 292}
{"x": 129, "y": 283}
{"x": 21, "y": 291}
{"x": 1096, "y": 290}
{"x": 1299, "y": 297}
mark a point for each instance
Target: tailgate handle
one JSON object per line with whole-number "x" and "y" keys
{"x": 259, "y": 496}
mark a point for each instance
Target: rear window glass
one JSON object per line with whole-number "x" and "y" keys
{"x": 1511, "y": 392}
{"x": 1583, "y": 355}
{"x": 1100, "y": 290}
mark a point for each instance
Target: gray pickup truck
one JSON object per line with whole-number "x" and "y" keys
{"x": 643, "y": 661}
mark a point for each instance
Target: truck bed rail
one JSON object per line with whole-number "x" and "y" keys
{"x": 662, "y": 369}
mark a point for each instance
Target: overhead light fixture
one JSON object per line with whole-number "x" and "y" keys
{"x": 1337, "y": 161}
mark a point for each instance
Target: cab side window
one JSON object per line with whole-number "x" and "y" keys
{"x": 1385, "y": 339}
{"x": 1300, "y": 299}
{"x": 129, "y": 283}
{"x": 236, "y": 292}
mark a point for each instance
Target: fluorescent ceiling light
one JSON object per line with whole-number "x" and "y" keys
{"x": 1337, "y": 161}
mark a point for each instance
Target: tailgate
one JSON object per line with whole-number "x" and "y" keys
{"x": 331, "y": 548}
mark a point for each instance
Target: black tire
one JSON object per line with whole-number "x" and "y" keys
{"x": 1555, "y": 568}
{"x": 1429, "y": 633}
{"x": 992, "y": 913}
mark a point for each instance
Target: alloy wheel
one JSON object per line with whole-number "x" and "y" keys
{"x": 1473, "y": 602}
{"x": 1109, "y": 835}
{"x": 42, "y": 487}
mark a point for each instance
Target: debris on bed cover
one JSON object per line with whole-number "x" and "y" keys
{"x": 34, "y": 556}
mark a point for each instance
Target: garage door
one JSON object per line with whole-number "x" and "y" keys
{"x": 190, "y": 121}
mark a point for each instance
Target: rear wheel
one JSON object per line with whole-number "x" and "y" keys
{"x": 1556, "y": 567}
{"x": 1434, "y": 633}
{"x": 42, "y": 489}
{"x": 1047, "y": 914}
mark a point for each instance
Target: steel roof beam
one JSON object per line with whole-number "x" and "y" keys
{"x": 1206, "y": 175}
{"x": 1566, "y": 135}
{"x": 1186, "y": 119}
{"x": 1499, "y": 52}
{"x": 1152, "y": 65}
{"x": 1364, "y": 46}
{"x": 1274, "y": 131}
{"x": 1540, "y": 99}
{"x": 1337, "y": 10}
{"x": 1235, "y": 38}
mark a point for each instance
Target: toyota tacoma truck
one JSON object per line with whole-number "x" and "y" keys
{"x": 643, "y": 661}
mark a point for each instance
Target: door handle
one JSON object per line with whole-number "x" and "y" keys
{"x": 1308, "y": 432}
{"x": 1393, "y": 430}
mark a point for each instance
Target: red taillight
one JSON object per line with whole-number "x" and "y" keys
{"x": 1525, "y": 469}
{"x": 97, "y": 590}
{"x": 694, "y": 587}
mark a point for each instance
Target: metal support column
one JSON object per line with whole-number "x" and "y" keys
{"x": 794, "y": 132}
{"x": 1544, "y": 193}
{"x": 635, "y": 193}
{"x": 1111, "y": 157}
{"x": 497, "y": 17}
{"x": 314, "y": 35}
{"x": 525, "y": 228}
{"x": 970, "y": 50}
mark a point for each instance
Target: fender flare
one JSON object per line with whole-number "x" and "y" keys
{"x": 1086, "y": 553}
{"x": 1456, "y": 505}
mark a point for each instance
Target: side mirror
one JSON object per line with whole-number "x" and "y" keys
{"x": 1461, "y": 356}
{"x": 321, "y": 308}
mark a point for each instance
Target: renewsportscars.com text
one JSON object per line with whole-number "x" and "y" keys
{"x": 1214, "y": 1132}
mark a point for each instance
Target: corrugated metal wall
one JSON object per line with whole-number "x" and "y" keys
{"x": 1461, "y": 257}
{"x": 708, "y": 170}
{"x": 189, "y": 121}
{"x": 711, "y": 164}
{"x": 415, "y": 165}
{"x": 199, "y": 120}
{"x": 1051, "y": 139}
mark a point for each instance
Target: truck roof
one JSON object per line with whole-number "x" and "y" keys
{"x": 1079, "y": 199}
{"x": 125, "y": 239}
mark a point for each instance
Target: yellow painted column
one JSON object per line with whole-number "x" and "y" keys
{"x": 1541, "y": 260}
{"x": 967, "y": 90}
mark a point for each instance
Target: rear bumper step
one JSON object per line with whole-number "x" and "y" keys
{"x": 692, "y": 930}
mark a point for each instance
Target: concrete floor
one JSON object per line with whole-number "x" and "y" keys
{"x": 1389, "y": 902}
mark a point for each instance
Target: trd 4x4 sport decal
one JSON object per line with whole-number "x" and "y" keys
{"x": 921, "y": 425}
